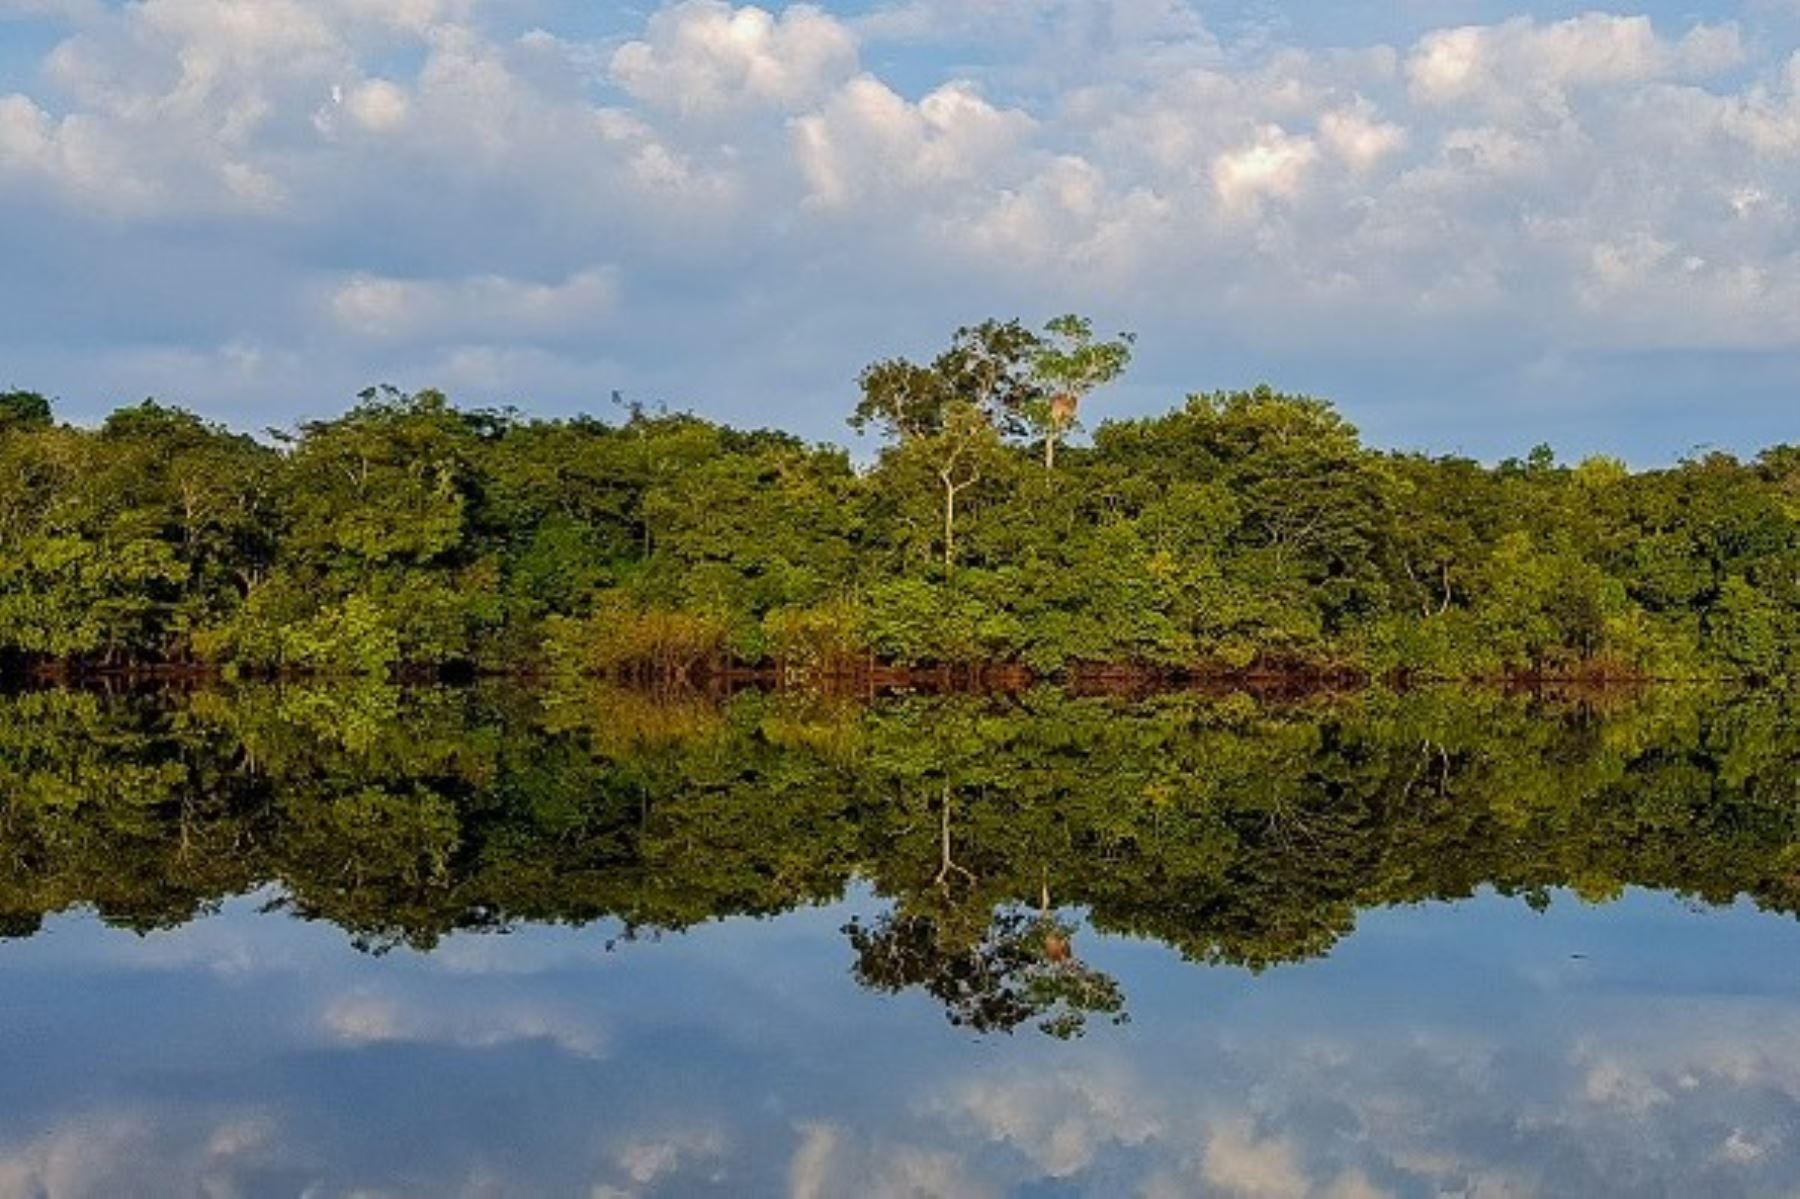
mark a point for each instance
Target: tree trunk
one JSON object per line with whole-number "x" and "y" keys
{"x": 1050, "y": 451}
{"x": 949, "y": 526}
{"x": 947, "y": 864}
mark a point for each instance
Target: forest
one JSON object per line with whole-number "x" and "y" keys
{"x": 1247, "y": 532}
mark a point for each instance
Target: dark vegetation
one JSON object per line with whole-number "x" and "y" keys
{"x": 992, "y": 830}
{"x": 1244, "y": 532}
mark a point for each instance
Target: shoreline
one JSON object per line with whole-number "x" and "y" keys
{"x": 997, "y": 678}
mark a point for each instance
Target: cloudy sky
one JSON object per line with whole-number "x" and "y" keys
{"x": 1476, "y": 224}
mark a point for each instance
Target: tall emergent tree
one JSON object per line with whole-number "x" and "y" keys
{"x": 948, "y": 415}
{"x": 996, "y": 378}
{"x": 1068, "y": 365}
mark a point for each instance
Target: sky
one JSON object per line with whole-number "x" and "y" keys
{"x": 1475, "y": 225}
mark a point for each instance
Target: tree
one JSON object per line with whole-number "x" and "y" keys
{"x": 23, "y": 410}
{"x": 1019, "y": 969}
{"x": 989, "y": 366}
{"x": 963, "y": 453}
{"x": 1069, "y": 364}
{"x": 994, "y": 366}
{"x": 948, "y": 416}
{"x": 902, "y": 399}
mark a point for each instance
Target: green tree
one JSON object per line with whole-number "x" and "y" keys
{"x": 23, "y": 410}
{"x": 1070, "y": 364}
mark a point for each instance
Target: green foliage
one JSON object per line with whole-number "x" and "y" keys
{"x": 1069, "y": 365}
{"x": 21, "y": 410}
{"x": 1242, "y": 532}
{"x": 619, "y": 640}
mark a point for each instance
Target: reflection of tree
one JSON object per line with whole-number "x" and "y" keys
{"x": 1236, "y": 832}
{"x": 1020, "y": 968}
{"x": 948, "y": 868}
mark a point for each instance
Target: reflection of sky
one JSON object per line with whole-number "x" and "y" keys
{"x": 1477, "y": 1048}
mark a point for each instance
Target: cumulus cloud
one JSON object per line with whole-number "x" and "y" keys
{"x": 705, "y": 57}
{"x": 1359, "y": 138}
{"x": 1098, "y": 24}
{"x": 376, "y": 105}
{"x": 1273, "y": 165}
{"x": 1542, "y": 188}
{"x": 488, "y": 306}
{"x": 869, "y": 143}
{"x": 1497, "y": 63}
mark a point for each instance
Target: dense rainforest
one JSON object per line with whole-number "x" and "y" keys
{"x": 1243, "y": 531}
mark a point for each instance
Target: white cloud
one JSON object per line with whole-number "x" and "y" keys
{"x": 868, "y": 143}
{"x": 1101, "y": 23}
{"x": 1614, "y": 1082}
{"x": 377, "y": 105}
{"x": 490, "y": 306}
{"x": 1274, "y": 165}
{"x": 73, "y": 1161}
{"x": 1765, "y": 118}
{"x": 706, "y": 56}
{"x": 1524, "y": 59}
{"x": 1359, "y": 138}
{"x": 25, "y": 133}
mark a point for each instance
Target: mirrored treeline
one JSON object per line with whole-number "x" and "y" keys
{"x": 997, "y": 831}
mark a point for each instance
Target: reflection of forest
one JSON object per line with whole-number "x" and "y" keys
{"x": 1235, "y": 831}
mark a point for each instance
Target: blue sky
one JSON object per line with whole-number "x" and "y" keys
{"x": 1476, "y": 225}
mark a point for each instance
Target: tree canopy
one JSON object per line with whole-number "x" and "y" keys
{"x": 1241, "y": 531}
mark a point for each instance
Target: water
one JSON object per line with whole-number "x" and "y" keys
{"x": 336, "y": 941}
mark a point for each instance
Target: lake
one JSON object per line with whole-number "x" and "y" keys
{"x": 365, "y": 940}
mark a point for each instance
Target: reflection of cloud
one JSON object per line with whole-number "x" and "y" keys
{"x": 649, "y": 1159}
{"x": 73, "y": 1161}
{"x": 1059, "y": 1120}
{"x": 1354, "y": 1185}
{"x": 1614, "y": 1082}
{"x": 372, "y": 1018}
{"x": 832, "y": 1162}
{"x": 138, "y": 1153}
{"x": 1409, "y": 1087}
{"x": 226, "y": 948}
{"x": 1240, "y": 1162}
{"x": 810, "y": 1169}
{"x": 1613, "y": 1097}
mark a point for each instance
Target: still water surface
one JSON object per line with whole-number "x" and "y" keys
{"x": 333, "y": 941}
